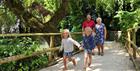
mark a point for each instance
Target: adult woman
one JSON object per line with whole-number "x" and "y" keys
{"x": 100, "y": 35}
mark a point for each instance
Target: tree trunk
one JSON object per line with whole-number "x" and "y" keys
{"x": 16, "y": 7}
{"x": 29, "y": 20}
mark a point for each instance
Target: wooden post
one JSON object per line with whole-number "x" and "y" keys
{"x": 51, "y": 46}
{"x": 134, "y": 41}
{"x": 129, "y": 38}
{"x": 51, "y": 41}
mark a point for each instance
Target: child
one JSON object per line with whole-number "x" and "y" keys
{"x": 67, "y": 45}
{"x": 88, "y": 45}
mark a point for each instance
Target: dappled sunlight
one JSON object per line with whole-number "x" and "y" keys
{"x": 106, "y": 48}
{"x": 120, "y": 53}
{"x": 115, "y": 58}
{"x": 33, "y": 32}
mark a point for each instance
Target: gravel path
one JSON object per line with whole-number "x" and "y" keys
{"x": 115, "y": 59}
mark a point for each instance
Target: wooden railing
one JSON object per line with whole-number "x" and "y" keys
{"x": 22, "y": 56}
{"x": 131, "y": 46}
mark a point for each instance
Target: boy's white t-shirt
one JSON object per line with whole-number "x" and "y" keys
{"x": 67, "y": 44}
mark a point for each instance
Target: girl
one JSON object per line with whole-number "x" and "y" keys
{"x": 67, "y": 45}
{"x": 100, "y": 36}
{"x": 88, "y": 45}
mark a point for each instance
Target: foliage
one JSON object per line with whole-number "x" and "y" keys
{"x": 126, "y": 11}
{"x": 7, "y": 18}
{"x": 48, "y": 5}
{"x": 128, "y": 19}
{"x": 106, "y": 5}
{"x": 21, "y": 45}
{"x": 128, "y": 16}
{"x": 10, "y": 47}
{"x": 30, "y": 64}
{"x": 77, "y": 12}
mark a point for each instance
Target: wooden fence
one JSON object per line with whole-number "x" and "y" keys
{"x": 22, "y": 56}
{"x": 132, "y": 48}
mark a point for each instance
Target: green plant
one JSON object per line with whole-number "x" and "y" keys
{"x": 29, "y": 64}
{"x": 129, "y": 18}
{"x": 21, "y": 45}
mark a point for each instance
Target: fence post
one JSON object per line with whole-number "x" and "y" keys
{"x": 52, "y": 41}
{"x": 129, "y": 38}
{"x": 51, "y": 46}
{"x": 134, "y": 41}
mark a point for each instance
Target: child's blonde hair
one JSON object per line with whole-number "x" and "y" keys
{"x": 88, "y": 29}
{"x": 65, "y": 31}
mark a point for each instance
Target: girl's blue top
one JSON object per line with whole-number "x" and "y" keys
{"x": 88, "y": 42}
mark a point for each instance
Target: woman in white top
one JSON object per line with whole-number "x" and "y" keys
{"x": 67, "y": 45}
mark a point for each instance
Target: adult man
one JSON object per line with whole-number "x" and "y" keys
{"x": 88, "y": 23}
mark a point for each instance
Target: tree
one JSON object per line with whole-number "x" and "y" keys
{"x": 16, "y": 6}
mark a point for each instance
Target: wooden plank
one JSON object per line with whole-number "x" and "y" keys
{"x": 133, "y": 28}
{"x": 134, "y": 41}
{"x": 22, "y": 56}
{"x": 135, "y": 46}
{"x": 51, "y": 41}
{"x": 51, "y": 46}
{"x": 35, "y": 34}
{"x": 133, "y": 60}
{"x": 129, "y": 38}
{"x": 19, "y": 57}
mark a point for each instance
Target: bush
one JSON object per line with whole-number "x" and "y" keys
{"x": 21, "y": 45}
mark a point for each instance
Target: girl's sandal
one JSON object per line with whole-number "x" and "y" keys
{"x": 89, "y": 64}
{"x": 84, "y": 67}
{"x": 93, "y": 53}
{"x": 102, "y": 54}
{"x": 64, "y": 69}
{"x": 75, "y": 63}
{"x": 99, "y": 53}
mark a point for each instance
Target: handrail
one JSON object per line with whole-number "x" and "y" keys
{"x": 133, "y": 28}
{"x": 35, "y": 34}
{"x": 133, "y": 60}
{"x": 135, "y": 46}
{"x": 22, "y": 56}
{"x": 131, "y": 46}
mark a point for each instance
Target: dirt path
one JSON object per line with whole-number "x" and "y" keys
{"x": 114, "y": 59}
